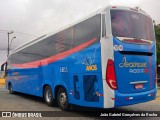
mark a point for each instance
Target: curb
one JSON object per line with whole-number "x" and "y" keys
{"x": 2, "y": 81}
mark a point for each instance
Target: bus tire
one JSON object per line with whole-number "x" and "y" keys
{"x": 62, "y": 99}
{"x": 10, "y": 88}
{"x": 48, "y": 96}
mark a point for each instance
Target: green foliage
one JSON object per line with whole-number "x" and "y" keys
{"x": 157, "y": 34}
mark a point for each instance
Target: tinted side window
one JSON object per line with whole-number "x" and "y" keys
{"x": 87, "y": 30}
{"x": 60, "y": 42}
{"x": 48, "y": 47}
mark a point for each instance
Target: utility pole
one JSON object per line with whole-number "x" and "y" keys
{"x": 8, "y": 42}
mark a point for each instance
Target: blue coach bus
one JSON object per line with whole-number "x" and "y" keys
{"x": 106, "y": 60}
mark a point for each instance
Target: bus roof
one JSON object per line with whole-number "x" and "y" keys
{"x": 136, "y": 9}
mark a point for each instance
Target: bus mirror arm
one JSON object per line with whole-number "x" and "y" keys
{"x": 4, "y": 68}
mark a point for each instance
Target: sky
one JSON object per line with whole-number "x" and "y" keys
{"x": 29, "y": 19}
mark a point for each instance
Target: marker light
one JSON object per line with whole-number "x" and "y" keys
{"x": 114, "y": 7}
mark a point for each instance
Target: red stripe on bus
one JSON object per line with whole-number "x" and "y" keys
{"x": 55, "y": 57}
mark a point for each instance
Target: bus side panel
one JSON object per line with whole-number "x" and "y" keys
{"x": 87, "y": 79}
{"x": 26, "y": 80}
{"x": 79, "y": 71}
{"x": 85, "y": 65}
{"x": 82, "y": 80}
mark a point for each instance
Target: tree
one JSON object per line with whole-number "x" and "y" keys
{"x": 157, "y": 31}
{"x": 157, "y": 34}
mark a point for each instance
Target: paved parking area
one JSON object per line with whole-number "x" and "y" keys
{"x": 22, "y": 102}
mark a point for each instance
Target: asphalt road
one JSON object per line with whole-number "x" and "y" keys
{"x": 21, "y": 102}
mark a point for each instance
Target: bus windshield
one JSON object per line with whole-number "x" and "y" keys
{"x": 132, "y": 25}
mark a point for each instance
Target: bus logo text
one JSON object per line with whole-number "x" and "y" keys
{"x": 132, "y": 64}
{"x": 91, "y": 67}
{"x": 138, "y": 70}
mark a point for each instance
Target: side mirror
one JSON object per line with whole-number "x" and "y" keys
{"x": 4, "y": 67}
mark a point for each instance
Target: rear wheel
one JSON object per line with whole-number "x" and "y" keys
{"x": 48, "y": 96}
{"x": 10, "y": 88}
{"x": 62, "y": 99}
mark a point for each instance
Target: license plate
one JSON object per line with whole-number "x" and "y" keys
{"x": 138, "y": 86}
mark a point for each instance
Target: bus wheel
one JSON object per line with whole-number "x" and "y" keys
{"x": 10, "y": 88}
{"x": 62, "y": 99}
{"x": 48, "y": 96}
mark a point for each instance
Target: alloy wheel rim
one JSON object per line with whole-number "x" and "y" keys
{"x": 48, "y": 96}
{"x": 63, "y": 99}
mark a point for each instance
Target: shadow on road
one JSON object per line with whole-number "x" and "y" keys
{"x": 30, "y": 97}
